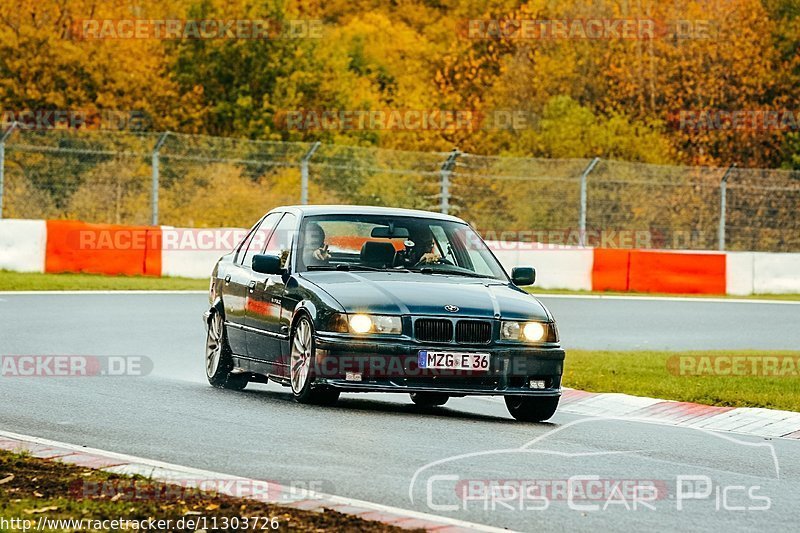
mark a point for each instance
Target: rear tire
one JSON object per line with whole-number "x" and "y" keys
{"x": 219, "y": 358}
{"x": 531, "y": 409}
{"x": 429, "y": 399}
{"x": 301, "y": 367}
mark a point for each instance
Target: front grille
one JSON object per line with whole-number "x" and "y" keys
{"x": 473, "y": 332}
{"x": 433, "y": 330}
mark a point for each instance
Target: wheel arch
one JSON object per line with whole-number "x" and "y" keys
{"x": 216, "y": 307}
{"x": 304, "y": 308}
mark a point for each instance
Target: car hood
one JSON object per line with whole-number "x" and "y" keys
{"x": 410, "y": 293}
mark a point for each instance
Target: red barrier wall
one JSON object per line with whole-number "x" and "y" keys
{"x": 690, "y": 273}
{"x": 74, "y": 246}
{"x": 658, "y": 271}
{"x": 610, "y": 270}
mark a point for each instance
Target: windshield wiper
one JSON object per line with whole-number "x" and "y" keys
{"x": 469, "y": 274}
{"x": 346, "y": 267}
{"x": 321, "y": 267}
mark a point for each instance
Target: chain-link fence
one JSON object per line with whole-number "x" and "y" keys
{"x": 202, "y": 181}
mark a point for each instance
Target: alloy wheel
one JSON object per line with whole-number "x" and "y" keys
{"x": 301, "y": 355}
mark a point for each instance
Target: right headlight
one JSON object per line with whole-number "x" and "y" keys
{"x": 361, "y": 323}
{"x": 528, "y": 331}
{"x": 364, "y": 324}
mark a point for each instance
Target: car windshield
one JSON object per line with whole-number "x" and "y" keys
{"x": 398, "y": 243}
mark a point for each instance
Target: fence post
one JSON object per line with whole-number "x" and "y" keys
{"x": 3, "y": 139}
{"x": 582, "y": 218}
{"x": 723, "y": 204}
{"x": 444, "y": 175}
{"x": 159, "y": 144}
{"x": 304, "y": 173}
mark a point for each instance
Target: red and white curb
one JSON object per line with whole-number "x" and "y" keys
{"x": 193, "y": 477}
{"x": 753, "y": 421}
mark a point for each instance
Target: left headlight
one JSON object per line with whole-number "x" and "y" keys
{"x": 528, "y": 331}
{"x": 382, "y": 324}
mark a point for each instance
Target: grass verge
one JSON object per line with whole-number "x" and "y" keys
{"x": 32, "y": 488}
{"x": 725, "y": 378}
{"x": 25, "y": 281}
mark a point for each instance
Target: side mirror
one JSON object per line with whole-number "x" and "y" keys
{"x": 267, "y": 264}
{"x": 523, "y": 275}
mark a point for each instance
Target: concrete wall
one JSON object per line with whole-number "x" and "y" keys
{"x": 22, "y": 245}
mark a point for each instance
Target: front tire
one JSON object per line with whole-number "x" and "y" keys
{"x": 531, "y": 409}
{"x": 429, "y": 399}
{"x": 301, "y": 367}
{"x": 219, "y": 358}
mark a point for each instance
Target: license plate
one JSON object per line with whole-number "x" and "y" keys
{"x": 453, "y": 360}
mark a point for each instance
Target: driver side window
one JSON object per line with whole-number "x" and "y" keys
{"x": 280, "y": 243}
{"x": 256, "y": 240}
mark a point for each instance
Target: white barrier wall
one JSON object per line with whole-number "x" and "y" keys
{"x": 739, "y": 273}
{"x": 23, "y": 245}
{"x": 193, "y": 252}
{"x": 188, "y": 263}
{"x": 776, "y": 273}
{"x": 556, "y": 268}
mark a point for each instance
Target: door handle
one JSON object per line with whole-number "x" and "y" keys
{"x": 227, "y": 279}
{"x": 252, "y": 286}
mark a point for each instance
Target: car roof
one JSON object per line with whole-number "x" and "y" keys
{"x": 311, "y": 210}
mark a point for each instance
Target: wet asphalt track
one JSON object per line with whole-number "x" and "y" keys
{"x": 370, "y": 446}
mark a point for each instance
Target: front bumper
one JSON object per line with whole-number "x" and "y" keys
{"x": 377, "y": 365}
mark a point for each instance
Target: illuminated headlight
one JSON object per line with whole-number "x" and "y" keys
{"x": 375, "y": 324}
{"x": 524, "y": 331}
{"x": 360, "y": 323}
{"x": 533, "y": 331}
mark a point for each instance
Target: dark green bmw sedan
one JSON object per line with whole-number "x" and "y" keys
{"x": 332, "y": 299}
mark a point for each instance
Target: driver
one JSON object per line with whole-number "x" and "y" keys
{"x": 429, "y": 252}
{"x": 315, "y": 250}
